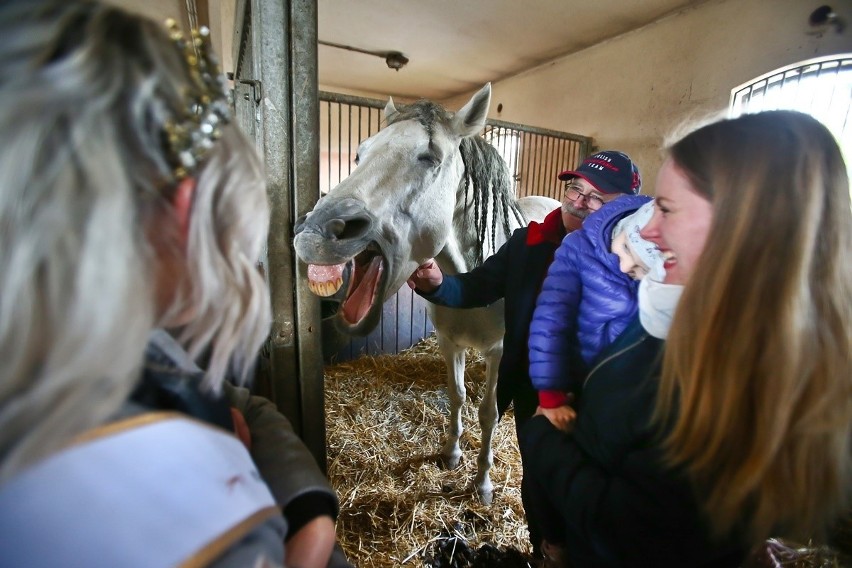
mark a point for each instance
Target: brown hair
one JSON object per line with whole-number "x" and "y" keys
{"x": 757, "y": 374}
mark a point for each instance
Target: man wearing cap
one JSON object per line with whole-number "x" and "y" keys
{"x": 516, "y": 271}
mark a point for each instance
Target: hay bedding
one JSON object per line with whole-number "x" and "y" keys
{"x": 386, "y": 418}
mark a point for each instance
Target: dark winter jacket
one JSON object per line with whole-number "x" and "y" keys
{"x": 606, "y": 483}
{"x": 585, "y": 301}
{"x": 515, "y": 273}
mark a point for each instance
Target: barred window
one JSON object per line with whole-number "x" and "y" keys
{"x": 820, "y": 87}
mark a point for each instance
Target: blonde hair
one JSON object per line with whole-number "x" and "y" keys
{"x": 757, "y": 375}
{"x": 87, "y": 89}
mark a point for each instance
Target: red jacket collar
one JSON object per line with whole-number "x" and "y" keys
{"x": 551, "y": 230}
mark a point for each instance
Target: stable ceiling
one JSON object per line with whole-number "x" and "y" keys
{"x": 454, "y": 46}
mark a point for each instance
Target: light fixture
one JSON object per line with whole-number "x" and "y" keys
{"x": 394, "y": 59}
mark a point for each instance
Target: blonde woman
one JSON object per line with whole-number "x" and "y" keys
{"x": 723, "y": 415}
{"x": 128, "y": 202}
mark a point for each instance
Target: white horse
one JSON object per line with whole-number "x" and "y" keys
{"x": 425, "y": 186}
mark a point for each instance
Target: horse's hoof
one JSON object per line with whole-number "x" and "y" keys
{"x": 485, "y": 490}
{"x": 451, "y": 455}
{"x": 485, "y": 497}
{"x": 451, "y": 462}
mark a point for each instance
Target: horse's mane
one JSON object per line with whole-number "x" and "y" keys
{"x": 484, "y": 168}
{"x": 492, "y": 190}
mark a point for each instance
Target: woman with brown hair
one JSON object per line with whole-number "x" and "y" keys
{"x": 723, "y": 415}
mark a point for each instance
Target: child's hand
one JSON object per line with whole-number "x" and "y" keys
{"x": 562, "y": 417}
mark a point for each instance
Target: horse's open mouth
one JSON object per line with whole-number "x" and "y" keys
{"x": 366, "y": 271}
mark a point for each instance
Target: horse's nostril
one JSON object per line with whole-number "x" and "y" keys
{"x": 336, "y": 227}
{"x": 356, "y": 228}
{"x": 351, "y": 228}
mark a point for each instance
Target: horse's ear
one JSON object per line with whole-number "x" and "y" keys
{"x": 390, "y": 110}
{"x": 470, "y": 119}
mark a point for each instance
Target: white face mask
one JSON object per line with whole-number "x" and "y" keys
{"x": 657, "y": 304}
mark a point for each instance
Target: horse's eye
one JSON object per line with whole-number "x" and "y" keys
{"x": 429, "y": 160}
{"x": 357, "y": 159}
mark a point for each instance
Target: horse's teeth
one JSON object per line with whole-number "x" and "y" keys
{"x": 325, "y": 280}
{"x": 325, "y": 289}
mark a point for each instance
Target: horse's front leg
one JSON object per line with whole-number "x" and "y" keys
{"x": 454, "y": 356}
{"x": 487, "y": 424}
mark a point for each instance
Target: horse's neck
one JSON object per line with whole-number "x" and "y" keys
{"x": 451, "y": 260}
{"x": 461, "y": 251}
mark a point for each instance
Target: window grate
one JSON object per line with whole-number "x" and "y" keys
{"x": 820, "y": 87}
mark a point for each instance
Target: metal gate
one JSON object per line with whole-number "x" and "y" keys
{"x": 275, "y": 48}
{"x": 534, "y": 157}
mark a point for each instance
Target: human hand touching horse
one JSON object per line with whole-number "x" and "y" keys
{"x": 427, "y": 277}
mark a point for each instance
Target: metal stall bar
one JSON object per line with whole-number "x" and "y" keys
{"x": 270, "y": 22}
{"x": 275, "y": 55}
{"x": 305, "y": 181}
{"x": 268, "y": 19}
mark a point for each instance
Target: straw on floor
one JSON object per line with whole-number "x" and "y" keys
{"x": 386, "y": 418}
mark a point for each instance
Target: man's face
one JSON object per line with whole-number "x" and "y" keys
{"x": 580, "y": 199}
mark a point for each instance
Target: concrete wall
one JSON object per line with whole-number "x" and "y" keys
{"x": 630, "y": 92}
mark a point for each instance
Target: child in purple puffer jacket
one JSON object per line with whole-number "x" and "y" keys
{"x": 587, "y": 299}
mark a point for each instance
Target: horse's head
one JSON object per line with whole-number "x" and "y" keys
{"x": 393, "y": 212}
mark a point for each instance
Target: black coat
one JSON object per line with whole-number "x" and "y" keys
{"x": 606, "y": 482}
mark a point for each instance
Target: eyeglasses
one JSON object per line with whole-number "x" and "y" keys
{"x": 573, "y": 192}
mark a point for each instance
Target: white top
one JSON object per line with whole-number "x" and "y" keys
{"x": 155, "y": 490}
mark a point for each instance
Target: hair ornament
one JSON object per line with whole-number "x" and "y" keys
{"x": 192, "y": 133}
